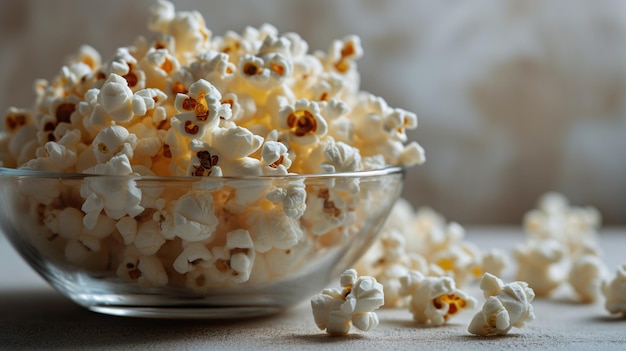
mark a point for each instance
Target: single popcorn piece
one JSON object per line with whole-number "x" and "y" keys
{"x": 539, "y": 264}
{"x": 586, "y": 276}
{"x": 433, "y": 299}
{"x": 507, "y": 306}
{"x": 334, "y": 310}
{"x": 615, "y": 292}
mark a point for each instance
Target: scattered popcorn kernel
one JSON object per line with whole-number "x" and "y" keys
{"x": 586, "y": 276}
{"x": 433, "y": 300}
{"x": 615, "y": 292}
{"x": 334, "y": 310}
{"x": 539, "y": 265}
{"x": 507, "y": 306}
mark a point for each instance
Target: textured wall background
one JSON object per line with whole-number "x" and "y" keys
{"x": 515, "y": 98}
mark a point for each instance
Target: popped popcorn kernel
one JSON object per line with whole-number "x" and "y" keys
{"x": 303, "y": 121}
{"x": 16, "y": 118}
{"x": 433, "y": 300}
{"x": 507, "y": 306}
{"x": 335, "y": 310}
{"x": 614, "y": 291}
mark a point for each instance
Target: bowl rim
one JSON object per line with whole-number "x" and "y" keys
{"x": 29, "y": 173}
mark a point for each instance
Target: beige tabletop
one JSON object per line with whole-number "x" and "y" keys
{"x": 34, "y": 316}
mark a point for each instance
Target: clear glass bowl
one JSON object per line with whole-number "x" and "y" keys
{"x": 193, "y": 247}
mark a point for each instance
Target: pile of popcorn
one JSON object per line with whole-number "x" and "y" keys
{"x": 187, "y": 103}
{"x": 422, "y": 241}
{"x": 420, "y": 259}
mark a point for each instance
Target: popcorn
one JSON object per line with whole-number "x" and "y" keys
{"x": 561, "y": 248}
{"x": 335, "y": 309}
{"x": 194, "y": 217}
{"x": 586, "y": 277}
{"x": 326, "y": 210}
{"x": 433, "y": 299}
{"x": 273, "y": 229}
{"x": 194, "y": 254}
{"x": 507, "y": 306}
{"x": 146, "y": 270}
{"x": 538, "y": 265}
{"x": 615, "y": 292}
{"x": 234, "y": 261}
{"x": 112, "y": 141}
{"x": 116, "y": 99}
{"x": 185, "y": 103}
{"x": 303, "y": 121}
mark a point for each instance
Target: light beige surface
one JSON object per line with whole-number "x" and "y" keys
{"x": 33, "y": 316}
{"x": 514, "y": 98}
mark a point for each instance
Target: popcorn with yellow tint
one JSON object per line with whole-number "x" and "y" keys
{"x": 433, "y": 300}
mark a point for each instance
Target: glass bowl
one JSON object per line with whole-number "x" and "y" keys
{"x": 193, "y": 247}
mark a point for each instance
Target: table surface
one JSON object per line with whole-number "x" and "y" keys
{"x": 34, "y": 316}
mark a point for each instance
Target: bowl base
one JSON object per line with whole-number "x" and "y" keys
{"x": 192, "y": 312}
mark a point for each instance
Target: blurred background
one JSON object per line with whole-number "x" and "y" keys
{"x": 514, "y": 97}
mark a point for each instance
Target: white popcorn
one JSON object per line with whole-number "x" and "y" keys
{"x": 148, "y": 239}
{"x": 507, "y": 306}
{"x": 61, "y": 156}
{"x": 194, "y": 217}
{"x": 281, "y": 262}
{"x": 200, "y": 110}
{"x": 233, "y": 263}
{"x": 116, "y": 98}
{"x": 146, "y": 270}
{"x": 116, "y": 196}
{"x": 327, "y": 211}
{"x": 275, "y": 158}
{"x": 615, "y": 292}
{"x": 292, "y": 198}
{"x": 148, "y": 101}
{"x": 586, "y": 277}
{"x": 152, "y": 271}
{"x": 127, "y": 227}
{"x": 539, "y": 264}
{"x": 194, "y": 254}
{"x": 494, "y": 261}
{"x": 389, "y": 263}
{"x": 556, "y": 219}
{"x": 157, "y": 65}
{"x": 112, "y": 141}
{"x": 273, "y": 229}
{"x": 433, "y": 300}
{"x": 91, "y": 237}
{"x": 215, "y": 67}
{"x": 337, "y": 157}
{"x": 236, "y": 142}
{"x": 335, "y": 309}
{"x": 265, "y": 71}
